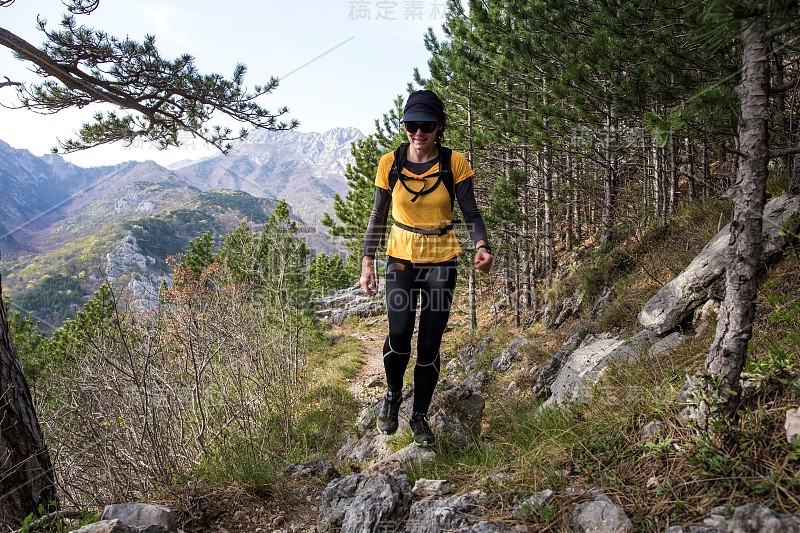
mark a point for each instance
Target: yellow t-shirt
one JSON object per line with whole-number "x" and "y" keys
{"x": 429, "y": 211}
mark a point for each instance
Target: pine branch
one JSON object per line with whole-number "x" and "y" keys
{"x": 8, "y": 83}
{"x": 83, "y": 66}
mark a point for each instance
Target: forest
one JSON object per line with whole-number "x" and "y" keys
{"x": 595, "y": 129}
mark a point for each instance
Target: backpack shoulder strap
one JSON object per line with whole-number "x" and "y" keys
{"x": 397, "y": 166}
{"x": 446, "y": 172}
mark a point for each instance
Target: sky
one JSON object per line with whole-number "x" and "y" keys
{"x": 341, "y": 62}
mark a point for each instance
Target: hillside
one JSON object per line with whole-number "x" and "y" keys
{"x": 624, "y": 448}
{"x": 624, "y": 438}
{"x": 68, "y": 228}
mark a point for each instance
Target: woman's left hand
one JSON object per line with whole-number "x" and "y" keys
{"x": 483, "y": 260}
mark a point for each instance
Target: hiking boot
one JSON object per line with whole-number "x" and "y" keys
{"x": 423, "y": 436}
{"x": 387, "y": 418}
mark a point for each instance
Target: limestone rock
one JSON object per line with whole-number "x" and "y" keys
{"x": 599, "y": 516}
{"x": 431, "y": 487}
{"x": 470, "y": 353}
{"x": 503, "y": 362}
{"x": 653, "y": 429}
{"x": 704, "y": 277}
{"x": 465, "y": 401}
{"x": 108, "y": 526}
{"x": 541, "y": 498}
{"x": 792, "y": 425}
{"x": 548, "y": 373}
{"x": 361, "y": 503}
{"x": 349, "y": 302}
{"x": 755, "y": 518}
{"x": 364, "y": 448}
{"x": 448, "y": 514}
{"x": 313, "y": 469}
{"x": 670, "y": 342}
{"x": 140, "y": 515}
{"x": 585, "y": 365}
{"x": 402, "y": 458}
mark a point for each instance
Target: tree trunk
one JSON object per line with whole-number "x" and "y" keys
{"x": 794, "y": 188}
{"x": 734, "y": 329}
{"x": 690, "y": 171}
{"x": 26, "y": 473}
{"x": 658, "y": 182}
{"x": 673, "y": 175}
{"x": 547, "y": 176}
{"x": 608, "y": 182}
{"x": 473, "y": 312}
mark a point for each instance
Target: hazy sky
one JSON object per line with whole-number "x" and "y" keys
{"x": 341, "y": 62}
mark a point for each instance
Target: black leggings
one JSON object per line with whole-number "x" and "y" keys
{"x": 406, "y": 282}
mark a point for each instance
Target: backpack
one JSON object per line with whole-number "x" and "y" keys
{"x": 445, "y": 173}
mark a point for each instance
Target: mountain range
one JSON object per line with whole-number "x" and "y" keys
{"x": 65, "y": 229}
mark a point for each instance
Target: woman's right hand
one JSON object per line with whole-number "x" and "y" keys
{"x": 368, "y": 281}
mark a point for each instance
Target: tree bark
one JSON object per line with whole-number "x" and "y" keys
{"x": 547, "y": 176}
{"x": 794, "y": 187}
{"x": 607, "y": 224}
{"x": 734, "y": 328}
{"x": 26, "y": 473}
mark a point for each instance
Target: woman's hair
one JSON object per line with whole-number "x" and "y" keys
{"x": 442, "y": 121}
{"x": 440, "y": 135}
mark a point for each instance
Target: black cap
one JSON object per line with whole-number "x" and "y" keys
{"x": 423, "y": 106}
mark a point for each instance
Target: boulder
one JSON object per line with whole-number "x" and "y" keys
{"x": 349, "y": 302}
{"x": 468, "y": 355}
{"x": 140, "y": 515}
{"x": 317, "y": 468}
{"x": 753, "y": 518}
{"x": 586, "y": 364}
{"x": 503, "y": 362}
{"x": 668, "y": 343}
{"x": 431, "y": 487}
{"x": 361, "y": 503}
{"x": 411, "y": 455}
{"x": 108, "y": 526}
{"x": 599, "y": 516}
{"x": 750, "y": 518}
{"x": 447, "y": 514}
{"x": 703, "y": 279}
{"x": 549, "y": 372}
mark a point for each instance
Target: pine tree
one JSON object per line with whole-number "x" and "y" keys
{"x": 163, "y": 98}
{"x": 352, "y": 212}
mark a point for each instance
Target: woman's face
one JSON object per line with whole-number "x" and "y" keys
{"x": 421, "y": 140}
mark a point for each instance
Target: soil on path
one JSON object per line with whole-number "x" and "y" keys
{"x": 369, "y": 382}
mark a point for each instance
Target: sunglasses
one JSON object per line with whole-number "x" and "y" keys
{"x": 426, "y": 127}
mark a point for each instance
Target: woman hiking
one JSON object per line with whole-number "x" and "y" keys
{"x": 421, "y": 178}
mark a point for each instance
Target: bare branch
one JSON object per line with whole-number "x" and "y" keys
{"x": 8, "y": 82}
{"x": 791, "y": 25}
{"x": 780, "y": 152}
{"x": 784, "y": 87}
